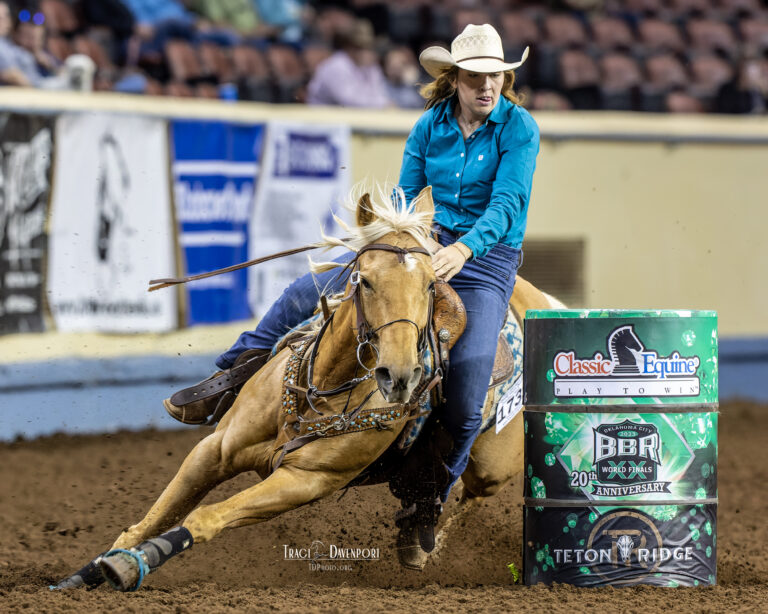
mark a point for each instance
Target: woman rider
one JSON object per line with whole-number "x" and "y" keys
{"x": 476, "y": 146}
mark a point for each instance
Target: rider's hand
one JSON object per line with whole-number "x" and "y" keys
{"x": 433, "y": 246}
{"x": 449, "y": 260}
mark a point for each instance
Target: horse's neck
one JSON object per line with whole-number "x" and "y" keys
{"x": 336, "y": 361}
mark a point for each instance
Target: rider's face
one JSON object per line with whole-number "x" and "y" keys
{"x": 478, "y": 92}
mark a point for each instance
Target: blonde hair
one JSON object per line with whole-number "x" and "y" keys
{"x": 443, "y": 87}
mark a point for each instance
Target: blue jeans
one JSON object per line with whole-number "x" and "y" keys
{"x": 484, "y": 285}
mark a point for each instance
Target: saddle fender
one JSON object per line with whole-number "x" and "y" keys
{"x": 449, "y": 312}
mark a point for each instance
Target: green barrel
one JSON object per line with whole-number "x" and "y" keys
{"x": 620, "y": 447}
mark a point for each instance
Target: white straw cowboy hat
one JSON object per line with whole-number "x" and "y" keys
{"x": 477, "y": 48}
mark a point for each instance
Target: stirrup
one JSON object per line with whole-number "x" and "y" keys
{"x": 208, "y": 401}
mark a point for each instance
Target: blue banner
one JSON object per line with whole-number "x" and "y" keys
{"x": 215, "y": 168}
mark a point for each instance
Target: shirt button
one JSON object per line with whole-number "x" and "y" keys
{"x": 456, "y": 195}
{"x": 461, "y": 155}
{"x": 457, "y": 174}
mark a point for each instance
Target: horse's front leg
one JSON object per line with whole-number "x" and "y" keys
{"x": 202, "y": 470}
{"x": 286, "y": 489}
{"x": 199, "y": 473}
{"x": 240, "y": 443}
{"x": 312, "y": 472}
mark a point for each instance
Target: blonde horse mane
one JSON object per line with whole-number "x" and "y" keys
{"x": 390, "y": 212}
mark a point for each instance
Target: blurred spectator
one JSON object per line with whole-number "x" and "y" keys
{"x": 709, "y": 73}
{"x": 31, "y": 37}
{"x": 709, "y": 35}
{"x": 117, "y": 18}
{"x": 17, "y": 65}
{"x": 158, "y": 21}
{"x": 564, "y": 30}
{"x": 290, "y": 76}
{"x": 620, "y": 84}
{"x": 329, "y": 22}
{"x": 154, "y": 12}
{"x": 612, "y": 33}
{"x": 112, "y": 14}
{"x": 664, "y": 72}
{"x": 680, "y": 101}
{"x": 748, "y": 92}
{"x": 658, "y": 35}
{"x": 544, "y": 100}
{"x": 351, "y": 77}
{"x": 285, "y": 16}
{"x": 238, "y": 14}
{"x": 580, "y": 80}
{"x": 402, "y": 74}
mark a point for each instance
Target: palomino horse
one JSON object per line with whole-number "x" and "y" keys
{"x": 393, "y": 282}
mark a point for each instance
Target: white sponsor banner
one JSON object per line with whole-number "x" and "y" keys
{"x": 305, "y": 177}
{"x": 111, "y": 227}
{"x": 627, "y": 387}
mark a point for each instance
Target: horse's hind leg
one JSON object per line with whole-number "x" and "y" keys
{"x": 495, "y": 459}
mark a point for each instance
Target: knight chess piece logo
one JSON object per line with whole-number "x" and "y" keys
{"x": 625, "y": 349}
{"x": 627, "y": 369}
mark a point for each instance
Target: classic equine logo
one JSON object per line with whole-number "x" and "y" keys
{"x": 628, "y": 455}
{"x": 627, "y": 370}
{"x": 620, "y": 541}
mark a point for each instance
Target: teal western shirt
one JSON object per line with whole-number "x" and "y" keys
{"x": 481, "y": 185}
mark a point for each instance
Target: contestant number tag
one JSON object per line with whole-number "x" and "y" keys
{"x": 510, "y": 404}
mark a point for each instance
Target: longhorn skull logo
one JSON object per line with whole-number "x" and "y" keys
{"x": 625, "y": 545}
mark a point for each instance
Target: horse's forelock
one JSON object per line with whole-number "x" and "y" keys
{"x": 391, "y": 214}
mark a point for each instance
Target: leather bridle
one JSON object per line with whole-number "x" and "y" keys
{"x": 365, "y": 333}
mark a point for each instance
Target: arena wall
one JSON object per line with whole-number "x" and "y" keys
{"x": 670, "y": 212}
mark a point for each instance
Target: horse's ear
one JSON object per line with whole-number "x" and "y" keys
{"x": 423, "y": 203}
{"x": 365, "y": 213}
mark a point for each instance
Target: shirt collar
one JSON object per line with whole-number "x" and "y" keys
{"x": 501, "y": 113}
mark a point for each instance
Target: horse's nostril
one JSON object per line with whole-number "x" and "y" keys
{"x": 384, "y": 379}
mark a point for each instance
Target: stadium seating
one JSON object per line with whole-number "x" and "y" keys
{"x": 644, "y": 55}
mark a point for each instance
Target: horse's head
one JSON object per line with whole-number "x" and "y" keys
{"x": 394, "y": 291}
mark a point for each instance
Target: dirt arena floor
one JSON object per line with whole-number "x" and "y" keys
{"x": 65, "y": 499}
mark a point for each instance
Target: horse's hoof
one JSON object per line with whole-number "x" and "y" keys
{"x": 71, "y": 582}
{"x": 121, "y": 571}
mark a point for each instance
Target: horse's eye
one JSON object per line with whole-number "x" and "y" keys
{"x": 364, "y": 283}
{"x": 431, "y": 286}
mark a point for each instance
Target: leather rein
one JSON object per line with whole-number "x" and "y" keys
{"x": 365, "y": 335}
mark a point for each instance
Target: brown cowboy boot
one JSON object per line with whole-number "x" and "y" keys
{"x": 208, "y": 401}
